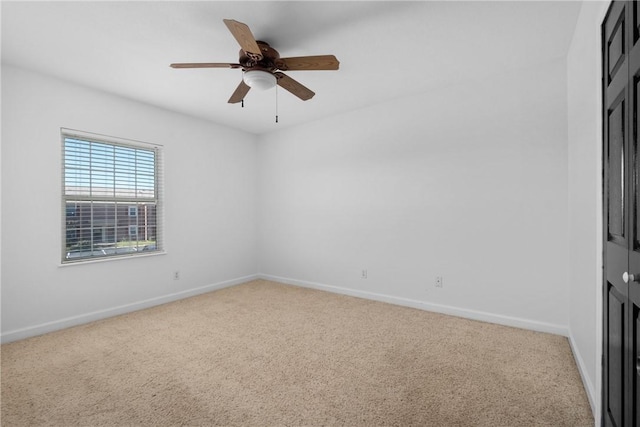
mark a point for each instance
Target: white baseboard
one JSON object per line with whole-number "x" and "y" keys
{"x": 81, "y": 319}
{"x": 406, "y": 302}
{"x": 586, "y": 381}
{"x": 515, "y": 322}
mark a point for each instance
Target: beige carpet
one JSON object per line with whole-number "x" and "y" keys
{"x": 267, "y": 354}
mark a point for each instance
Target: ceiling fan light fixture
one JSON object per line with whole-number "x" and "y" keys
{"x": 260, "y": 62}
{"x": 257, "y": 79}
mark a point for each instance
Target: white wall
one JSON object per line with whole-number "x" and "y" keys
{"x": 210, "y": 199}
{"x": 466, "y": 182}
{"x": 585, "y": 196}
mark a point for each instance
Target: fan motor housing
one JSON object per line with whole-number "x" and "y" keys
{"x": 268, "y": 62}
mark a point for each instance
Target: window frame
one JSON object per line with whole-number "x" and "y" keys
{"x": 157, "y": 200}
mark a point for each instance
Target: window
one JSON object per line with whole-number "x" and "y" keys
{"x": 133, "y": 232}
{"x": 111, "y": 197}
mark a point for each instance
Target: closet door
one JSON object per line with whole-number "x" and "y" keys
{"x": 621, "y": 158}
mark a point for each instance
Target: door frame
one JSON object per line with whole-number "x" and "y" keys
{"x": 598, "y": 397}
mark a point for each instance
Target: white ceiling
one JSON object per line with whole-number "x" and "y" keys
{"x": 386, "y": 49}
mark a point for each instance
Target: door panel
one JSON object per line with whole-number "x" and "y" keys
{"x": 636, "y": 21}
{"x": 614, "y": 35}
{"x": 615, "y": 186}
{"x": 636, "y": 368}
{"x": 615, "y": 351}
{"x": 616, "y": 49}
{"x": 636, "y": 162}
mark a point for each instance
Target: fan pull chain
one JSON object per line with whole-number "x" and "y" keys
{"x": 242, "y": 101}
{"x": 276, "y": 104}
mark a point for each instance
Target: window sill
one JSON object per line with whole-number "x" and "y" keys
{"x": 109, "y": 259}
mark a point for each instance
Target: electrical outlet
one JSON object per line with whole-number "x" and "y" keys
{"x": 438, "y": 281}
{"x": 364, "y": 274}
{"x": 176, "y": 275}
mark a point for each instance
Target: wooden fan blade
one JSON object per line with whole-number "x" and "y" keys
{"x": 320, "y": 62}
{"x": 205, "y": 65}
{"x": 294, "y": 87}
{"x": 239, "y": 94}
{"x": 245, "y": 38}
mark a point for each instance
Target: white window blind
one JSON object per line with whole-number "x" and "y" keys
{"x": 112, "y": 204}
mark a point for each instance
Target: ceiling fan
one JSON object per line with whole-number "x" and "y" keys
{"x": 260, "y": 64}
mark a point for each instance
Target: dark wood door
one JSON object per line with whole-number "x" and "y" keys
{"x": 621, "y": 103}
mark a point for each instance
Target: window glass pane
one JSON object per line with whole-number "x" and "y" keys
{"x": 77, "y": 167}
{"x": 101, "y": 180}
{"x": 103, "y": 170}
